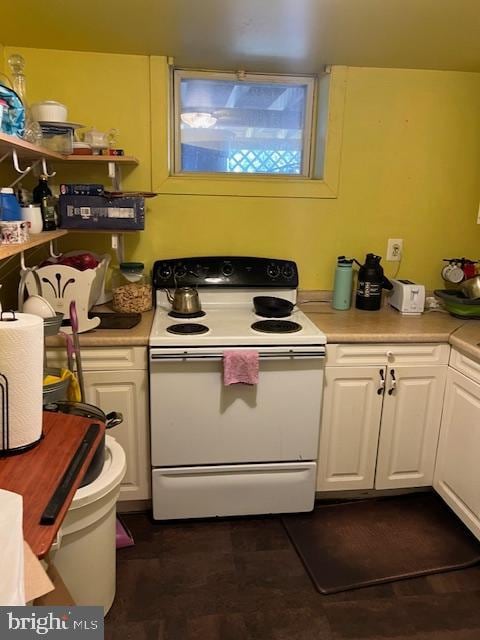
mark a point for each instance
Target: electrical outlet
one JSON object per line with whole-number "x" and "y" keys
{"x": 394, "y": 249}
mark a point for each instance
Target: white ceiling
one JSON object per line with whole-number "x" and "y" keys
{"x": 259, "y": 35}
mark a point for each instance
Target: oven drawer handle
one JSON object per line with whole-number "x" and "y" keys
{"x": 262, "y": 356}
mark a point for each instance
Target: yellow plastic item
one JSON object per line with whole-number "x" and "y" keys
{"x": 73, "y": 392}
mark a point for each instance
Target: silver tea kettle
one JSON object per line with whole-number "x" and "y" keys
{"x": 184, "y": 300}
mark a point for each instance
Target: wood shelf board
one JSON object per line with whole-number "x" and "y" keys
{"x": 25, "y": 150}
{"x": 28, "y": 151}
{"x": 7, "y": 250}
{"x": 117, "y": 159}
{"x": 109, "y": 231}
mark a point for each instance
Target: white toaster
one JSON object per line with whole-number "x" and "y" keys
{"x": 408, "y": 297}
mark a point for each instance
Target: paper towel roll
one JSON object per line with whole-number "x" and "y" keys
{"x": 21, "y": 379}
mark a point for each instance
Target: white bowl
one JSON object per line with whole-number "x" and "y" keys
{"x": 49, "y": 111}
{"x": 38, "y": 306}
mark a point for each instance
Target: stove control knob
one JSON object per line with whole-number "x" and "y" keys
{"x": 165, "y": 271}
{"x": 180, "y": 270}
{"x": 227, "y": 269}
{"x": 273, "y": 270}
{"x": 288, "y": 272}
{"x": 200, "y": 270}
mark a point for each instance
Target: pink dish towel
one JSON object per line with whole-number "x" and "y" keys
{"x": 240, "y": 366}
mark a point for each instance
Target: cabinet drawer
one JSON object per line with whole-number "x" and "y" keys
{"x": 103, "y": 358}
{"x": 377, "y": 354}
{"x": 465, "y": 365}
{"x": 225, "y": 490}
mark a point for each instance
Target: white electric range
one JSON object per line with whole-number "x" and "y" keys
{"x": 240, "y": 449}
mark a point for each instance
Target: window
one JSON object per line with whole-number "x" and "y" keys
{"x": 227, "y": 123}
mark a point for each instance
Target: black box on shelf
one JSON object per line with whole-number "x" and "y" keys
{"x": 126, "y": 213}
{"x": 82, "y": 189}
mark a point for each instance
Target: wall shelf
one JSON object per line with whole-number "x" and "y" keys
{"x": 22, "y": 150}
{"x": 8, "y": 250}
{"x": 107, "y": 231}
{"x": 28, "y": 151}
{"x": 126, "y": 160}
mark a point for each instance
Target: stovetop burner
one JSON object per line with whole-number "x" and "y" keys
{"x": 187, "y": 328}
{"x": 276, "y": 326}
{"x": 195, "y": 314}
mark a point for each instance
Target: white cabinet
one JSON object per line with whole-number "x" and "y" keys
{"x": 380, "y": 422}
{"x": 116, "y": 379}
{"x": 349, "y": 428}
{"x": 457, "y": 471}
{"x": 410, "y": 424}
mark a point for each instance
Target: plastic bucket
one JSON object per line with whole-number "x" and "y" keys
{"x": 86, "y": 551}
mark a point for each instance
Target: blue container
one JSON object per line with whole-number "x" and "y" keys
{"x": 342, "y": 288}
{"x": 9, "y": 206}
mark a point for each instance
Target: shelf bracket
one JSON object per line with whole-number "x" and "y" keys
{"x": 16, "y": 165}
{"x": 53, "y": 254}
{"x": 119, "y": 246}
{"x": 115, "y": 174}
{"x": 45, "y": 170}
{"x": 20, "y": 177}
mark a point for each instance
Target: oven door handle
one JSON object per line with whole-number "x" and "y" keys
{"x": 155, "y": 357}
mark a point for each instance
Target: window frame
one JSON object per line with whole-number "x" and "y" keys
{"x": 331, "y": 116}
{"x": 309, "y": 129}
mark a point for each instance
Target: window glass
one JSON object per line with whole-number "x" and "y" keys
{"x": 256, "y": 124}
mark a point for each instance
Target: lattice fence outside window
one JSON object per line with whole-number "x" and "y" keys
{"x": 265, "y": 161}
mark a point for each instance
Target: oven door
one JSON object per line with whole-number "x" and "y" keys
{"x": 197, "y": 420}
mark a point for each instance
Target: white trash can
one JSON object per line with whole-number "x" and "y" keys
{"x": 85, "y": 553}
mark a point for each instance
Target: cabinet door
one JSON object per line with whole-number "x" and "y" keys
{"x": 126, "y": 391}
{"x": 457, "y": 472}
{"x": 412, "y": 411}
{"x": 349, "y": 431}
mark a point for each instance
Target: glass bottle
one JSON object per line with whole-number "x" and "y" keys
{"x": 33, "y": 131}
{"x": 49, "y": 213}
{"x": 42, "y": 190}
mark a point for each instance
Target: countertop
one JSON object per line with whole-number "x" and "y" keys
{"x": 384, "y": 325}
{"x": 467, "y": 339}
{"x": 136, "y": 337}
{"x": 354, "y": 325}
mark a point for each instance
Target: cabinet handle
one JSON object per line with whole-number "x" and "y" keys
{"x": 381, "y": 388}
{"x": 394, "y": 382}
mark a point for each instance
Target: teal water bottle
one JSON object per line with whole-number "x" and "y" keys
{"x": 342, "y": 287}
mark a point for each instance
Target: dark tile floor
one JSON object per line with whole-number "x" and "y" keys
{"x": 240, "y": 579}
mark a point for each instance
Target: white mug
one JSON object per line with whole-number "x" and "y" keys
{"x": 452, "y": 273}
{"x": 33, "y": 215}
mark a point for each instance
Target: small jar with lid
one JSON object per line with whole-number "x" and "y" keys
{"x": 131, "y": 288}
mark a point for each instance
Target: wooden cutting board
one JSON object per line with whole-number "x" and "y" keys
{"x": 36, "y": 474}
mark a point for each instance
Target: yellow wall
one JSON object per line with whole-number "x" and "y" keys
{"x": 410, "y": 169}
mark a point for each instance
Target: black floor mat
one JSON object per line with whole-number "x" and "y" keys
{"x": 355, "y": 544}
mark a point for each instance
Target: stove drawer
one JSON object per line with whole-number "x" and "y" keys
{"x": 225, "y": 490}
{"x": 197, "y": 420}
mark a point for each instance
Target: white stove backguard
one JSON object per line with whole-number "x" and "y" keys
{"x": 225, "y": 296}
